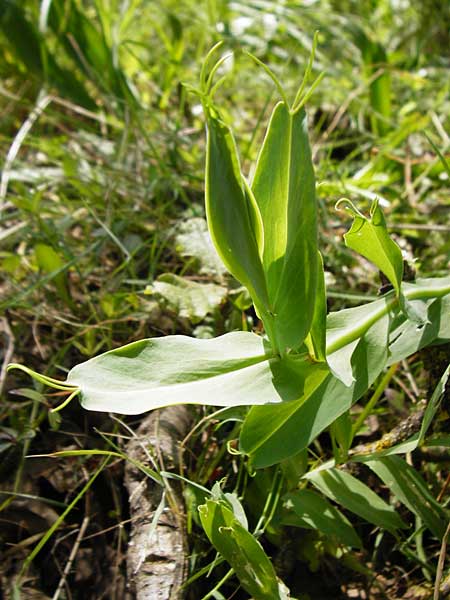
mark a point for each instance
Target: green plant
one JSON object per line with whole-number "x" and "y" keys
{"x": 309, "y": 369}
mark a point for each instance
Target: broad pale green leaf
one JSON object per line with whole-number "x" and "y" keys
{"x": 241, "y": 550}
{"x": 284, "y": 188}
{"x": 352, "y": 494}
{"x": 308, "y": 509}
{"x": 406, "y": 337}
{"x": 189, "y": 299}
{"x": 231, "y": 370}
{"x": 271, "y": 434}
{"x": 370, "y": 238}
{"x": 410, "y": 488}
{"x": 233, "y": 216}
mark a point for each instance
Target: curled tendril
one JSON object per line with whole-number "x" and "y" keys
{"x": 348, "y": 205}
{"x": 69, "y": 399}
{"x": 203, "y": 77}
{"x": 56, "y": 384}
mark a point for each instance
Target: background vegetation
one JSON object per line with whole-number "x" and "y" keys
{"x": 101, "y": 204}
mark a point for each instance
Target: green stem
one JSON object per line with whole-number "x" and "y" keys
{"x": 270, "y": 505}
{"x": 45, "y": 379}
{"x": 272, "y": 76}
{"x": 374, "y": 399}
{"x": 217, "y": 587}
{"x": 66, "y": 401}
{"x": 216, "y": 67}
{"x": 298, "y": 97}
{"x": 26, "y": 447}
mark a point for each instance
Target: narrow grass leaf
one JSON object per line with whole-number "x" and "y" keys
{"x": 352, "y": 494}
{"x": 410, "y": 488}
{"x": 310, "y": 510}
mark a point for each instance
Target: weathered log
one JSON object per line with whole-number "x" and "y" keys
{"x": 157, "y": 552}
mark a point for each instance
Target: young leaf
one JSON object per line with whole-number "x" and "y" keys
{"x": 352, "y": 494}
{"x": 370, "y": 238}
{"x": 241, "y": 550}
{"x": 308, "y": 509}
{"x": 284, "y": 188}
{"x": 232, "y": 370}
{"x": 409, "y": 487}
{"x": 233, "y": 216}
{"x": 406, "y": 338}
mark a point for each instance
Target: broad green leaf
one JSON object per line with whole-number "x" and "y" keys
{"x": 233, "y": 503}
{"x": 241, "y": 550}
{"x": 308, "y": 509}
{"x": 271, "y": 434}
{"x": 231, "y": 370}
{"x": 233, "y": 216}
{"x": 370, "y": 238}
{"x": 352, "y": 494}
{"x": 189, "y": 299}
{"x": 284, "y": 188}
{"x": 318, "y": 332}
{"x": 340, "y": 363}
{"x": 410, "y": 488}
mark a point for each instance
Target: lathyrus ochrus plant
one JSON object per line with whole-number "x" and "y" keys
{"x": 305, "y": 373}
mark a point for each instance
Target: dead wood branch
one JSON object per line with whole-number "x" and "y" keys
{"x": 157, "y": 553}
